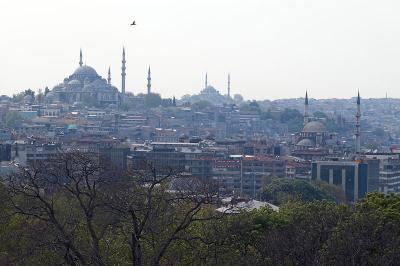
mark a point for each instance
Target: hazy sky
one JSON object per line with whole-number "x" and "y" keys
{"x": 272, "y": 48}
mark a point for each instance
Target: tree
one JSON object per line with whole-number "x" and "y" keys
{"x": 62, "y": 196}
{"x": 85, "y": 211}
{"x": 370, "y": 236}
{"x": 293, "y": 119}
{"x": 301, "y": 232}
{"x": 18, "y": 97}
{"x": 152, "y": 100}
{"x": 319, "y": 114}
{"x": 156, "y": 216}
{"x": 202, "y": 105}
{"x": 267, "y": 115}
{"x": 13, "y": 119}
{"x": 282, "y": 190}
{"x": 252, "y": 106}
{"x": 29, "y": 92}
{"x": 75, "y": 210}
{"x": 167, "y": 102}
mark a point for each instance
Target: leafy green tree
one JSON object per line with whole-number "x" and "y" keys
{"x": 333, "y": 191}
{"x": 29, "y": 92}
{"x": 152, "y": 100}
{"x": 253, "y": 106}
{"x": 13, "y": 119}
{"x": 18, "y": 97}
{"x": 238, "y": 99}
{"x": 283, "y": 190}
{"x": 319, "y": 114}
{"x": 302, "y": 231}
{"x": 168, "y": 102}
{"x": 370, "y": 236}
{"x": 267, "y": 115}
{"x": 75, "y": 210}
{"x": 202, "y": 105}
{"x": 293, "y": 119}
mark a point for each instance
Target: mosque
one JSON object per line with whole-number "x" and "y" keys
{"x": 315, "y": 142}
{"x": 85, "y": 86}
{"x": 212, "y": 95}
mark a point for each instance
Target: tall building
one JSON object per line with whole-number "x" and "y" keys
{"x": 80, "y": 58}
{"x": 246, "y": 175}
{"x": 389, "y": 176}
{"x": 351, "y": 176}
{"x": 109, "y": 76}
{"x": 306, "y": 115}
{"x": 149, "y": 82}
{"x": 229, "y": 86}
{"x": 358, "y": 117}
{"x": 123, "y": 73}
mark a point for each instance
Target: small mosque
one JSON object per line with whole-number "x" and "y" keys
{"x": 315, "y": 142}
{"x": 85, "y": 86}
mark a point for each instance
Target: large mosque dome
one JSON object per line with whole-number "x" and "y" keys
{"x": 74, "y": 82}
{"x": 314, "y": 127}
{"x": 306, "y": 143}
{"x": 86, "y": 71}
{"x": 86, "y": 85}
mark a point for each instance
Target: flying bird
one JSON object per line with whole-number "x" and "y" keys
{"x": 133, "y": 23}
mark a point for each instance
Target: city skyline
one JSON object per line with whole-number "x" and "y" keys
{"x": 272, "y": 50}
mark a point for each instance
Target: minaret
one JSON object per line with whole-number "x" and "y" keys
{"x": 206, "y": 83}
{"x": 80, "y": 58}
{"x": 149, "y": 81}
{"x": 229, "y": 85}
{"x": 123, "y": 73}
{"x": 109, "y": 76}
{"x": 306, "y": 118}
{"x": 358, "y": 117}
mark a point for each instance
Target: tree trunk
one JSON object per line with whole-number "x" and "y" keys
{"x": 136, "y": 250}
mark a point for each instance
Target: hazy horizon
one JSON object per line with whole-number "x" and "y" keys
{"x": 273, "y": 49}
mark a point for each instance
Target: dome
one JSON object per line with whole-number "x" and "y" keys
{"x": 99, "y": 83}
{"x": 86, "y": 71}
{"x": 314, "y": 127}
{"x": 28, "y": 98}
{"x": 89, "y": 87}
{"x": 306, "y": 143}
{"x": 50, "y": 94}
{"x": 74, "y": 82}
{"x": 209, "y": 90}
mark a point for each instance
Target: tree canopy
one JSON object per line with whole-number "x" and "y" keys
{"x": 74, "y": 210}
{"x": 13, "y": 119}
{"x": 283, "y": 190}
